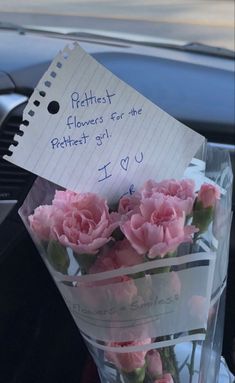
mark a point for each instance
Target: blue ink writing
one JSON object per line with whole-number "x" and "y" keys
{"x": 127, "y": 161}
{"x": 106, "y": 174}
{"x": 140, "y": 158}
{"x": 102, "y": 137}
{"x": 134, "y": 112}
{"x": 72, "y": 122}
{"x": 116, "y": 117}
{"x": 124, "y": 163}
{"x": 68, "y": 142}
{"x": 130, "y": 191}
{"x": 90, "y": 99}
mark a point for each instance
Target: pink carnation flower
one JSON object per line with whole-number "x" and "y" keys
{"x": 166, "y": 378}
{"x": 80, "y": 221}
{"x": 125, "y": 255}
{"x": 86, "y": 226}
{"x": 208, "y": 195}
{"x": 125, "y": 290}
{"x": 182, "y": 190}
{"x": 121, "y": 288}
{"x": 159, "y": 228}
{"x": 121, "y": 254}
{"x": 129, "y": 205}
{"x": 40, "y": 221}
{"x": 63, "y": 199}
{"x": 104, "y": 263}
{"x": 127, "y": 361}
{"x": 197, "y": 308}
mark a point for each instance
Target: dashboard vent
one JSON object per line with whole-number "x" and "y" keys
{"x": 14, "y": 181}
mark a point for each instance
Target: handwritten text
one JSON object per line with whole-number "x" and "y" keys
{"x": 68, "y": 142}
{"x": 90, "y": 99}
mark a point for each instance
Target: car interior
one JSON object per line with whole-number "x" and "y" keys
{"x": 39, "y": 340}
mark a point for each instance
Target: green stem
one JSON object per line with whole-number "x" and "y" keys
{"x": 193, "y": 245}
{"x": 191, "y": 366}
{"x": 170, "y": 363}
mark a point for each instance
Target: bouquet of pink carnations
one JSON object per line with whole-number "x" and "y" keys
{"x": 139, "y": 276}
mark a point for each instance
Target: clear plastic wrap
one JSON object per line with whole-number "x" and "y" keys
{"x": 156, "y": 321}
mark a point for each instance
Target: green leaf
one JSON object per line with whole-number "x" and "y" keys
{"x": 58, "y": 257}
{"x": 140, "y": 274}
{"x": 202, "y": 217}
{"x": 135, "y": 376}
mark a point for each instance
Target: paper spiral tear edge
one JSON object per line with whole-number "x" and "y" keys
{"x": 39, "y": 93}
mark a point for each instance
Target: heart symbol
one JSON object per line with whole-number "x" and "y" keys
{"x": 124, "y": 163}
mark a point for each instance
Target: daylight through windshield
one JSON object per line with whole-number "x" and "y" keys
{"x": 208, "y": 22}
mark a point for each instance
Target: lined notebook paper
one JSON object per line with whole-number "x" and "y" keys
{"x": 86, "y": 130}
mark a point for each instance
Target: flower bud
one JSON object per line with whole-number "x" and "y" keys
{"x": 208, "y": 195}
{"x": 136, "y": 376}
{"x": 203, "y": 210}
{"x": 154, "y": 364}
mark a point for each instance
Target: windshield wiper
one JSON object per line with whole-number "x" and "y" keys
{"x": 12, "y": 27}
{"x": 110, "y": 37}
{"x": 208, "y": 49}
{"x": 156, "y": 42}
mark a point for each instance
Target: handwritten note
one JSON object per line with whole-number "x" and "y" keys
{"x": 86, "y": 130}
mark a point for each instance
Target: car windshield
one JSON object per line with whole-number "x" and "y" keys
{"x": 200, "y": 21}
